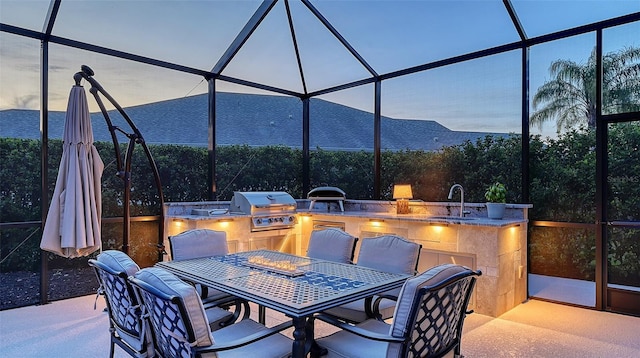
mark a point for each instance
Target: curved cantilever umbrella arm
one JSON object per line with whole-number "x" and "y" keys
{"x": 124, "y": 166}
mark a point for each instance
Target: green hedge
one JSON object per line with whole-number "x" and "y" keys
{"x": 562, "y": 173}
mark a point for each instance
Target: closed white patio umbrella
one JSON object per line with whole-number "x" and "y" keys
{"x": 72, "y": 227}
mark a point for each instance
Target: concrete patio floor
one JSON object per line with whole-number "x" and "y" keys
{"x": 72, "y": 328}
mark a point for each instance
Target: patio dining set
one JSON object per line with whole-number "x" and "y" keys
{"x": 197, "y": 305}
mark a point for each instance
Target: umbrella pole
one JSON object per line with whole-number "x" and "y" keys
{"x": 126, "y": 176}
{"x": 124, "y": 169}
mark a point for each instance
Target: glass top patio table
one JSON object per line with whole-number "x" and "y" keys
{"x": 313, "y": 286}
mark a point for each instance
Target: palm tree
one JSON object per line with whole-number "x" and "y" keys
{"x": 569, "y": 97}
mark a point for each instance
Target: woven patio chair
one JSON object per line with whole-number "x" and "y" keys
{"x": 126, "y": 326}
{"x": 181, "y": 329}
{"x": 332, "y": 245}
{"x": 387, "y": 253}
{"x": 428, "y": 320}
{"x": 197, "y": 243}
{"x": 128, "y": 329}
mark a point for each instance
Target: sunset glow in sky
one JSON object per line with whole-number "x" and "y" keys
{"x": 481, "y": 95}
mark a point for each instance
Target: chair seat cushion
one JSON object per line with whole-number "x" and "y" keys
{"x": 272, "y": 346}
{"x": 170, "y": 284}
{"x": 213, "y": 294}
{"x": 348, "y": 345}
{"x": 354, "y": 311}
{"x": 216, "y": 316}
{"x": 136, "y": 342}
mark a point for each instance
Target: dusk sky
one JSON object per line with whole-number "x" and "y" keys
{"x": 482, "y": 95}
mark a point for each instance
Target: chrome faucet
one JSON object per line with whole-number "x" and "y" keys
{"x": 462, "y": 211}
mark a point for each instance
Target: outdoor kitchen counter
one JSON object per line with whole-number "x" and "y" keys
{"x": 496, "y": 247}
{"x": 426, "y": 212}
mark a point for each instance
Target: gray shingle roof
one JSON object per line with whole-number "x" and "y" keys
{"x": 255, "y": 120}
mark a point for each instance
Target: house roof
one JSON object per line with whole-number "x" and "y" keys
{"x": 254, "y": 120}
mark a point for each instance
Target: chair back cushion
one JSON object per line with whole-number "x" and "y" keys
{"x": 197, "y": 243}
{"x": 118, "y": 261}
{"x": 431, "y": 308}
{"x": 389, "y": 253}
{"x": 163, "y": 314}
{"x": 331, "y": 245}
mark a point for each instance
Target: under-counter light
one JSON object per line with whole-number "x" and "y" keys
{"x": 376, "y": 222}
{"x": 224, "y": 223}
{"x": 439, "y": 224}
{"x": 178, "y": 223}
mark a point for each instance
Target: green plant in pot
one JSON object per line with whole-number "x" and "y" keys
{"x": 496, "y": 196}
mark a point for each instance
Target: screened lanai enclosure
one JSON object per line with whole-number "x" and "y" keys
{"x": 290, "y": 95}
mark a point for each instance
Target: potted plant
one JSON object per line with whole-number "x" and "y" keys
{"x": 496, "y": 196}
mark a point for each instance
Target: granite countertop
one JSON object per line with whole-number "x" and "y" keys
{"x": 451, "y": 220}
{"x": 228, "y": 215}
{"x": 469, "y": 220}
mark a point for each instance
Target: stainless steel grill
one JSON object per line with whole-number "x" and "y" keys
{"x": 270, "y": 210}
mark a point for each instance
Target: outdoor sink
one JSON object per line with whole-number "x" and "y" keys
{"x": 451, "y": 218}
